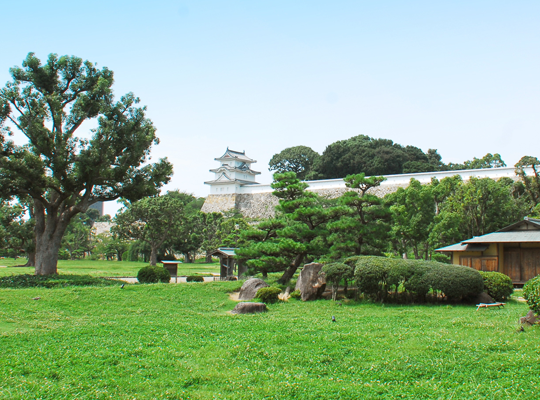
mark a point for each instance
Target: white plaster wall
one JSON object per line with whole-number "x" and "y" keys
{"x": 400, "y": 180}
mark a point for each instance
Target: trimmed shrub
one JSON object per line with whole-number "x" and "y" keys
{"x": 531, "y": 293}
{"x": 296, "y": 294}
{"x": 455, "y": 281}
{"x": 53, "y": 281}
{"x": 335, "y": 273}
{"x": 376, "y": 276}
{"x": 497, "y": 285}
{"x": 268, "y": 294}
{"x": 150, "y": 274}
{"x": 194, "y": 278}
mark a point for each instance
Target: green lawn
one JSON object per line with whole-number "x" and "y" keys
{"x": 179, "y": 342}
{"x": 103, "y": 268}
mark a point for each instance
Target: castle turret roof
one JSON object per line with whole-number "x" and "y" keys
{"x": 235, "y": 155}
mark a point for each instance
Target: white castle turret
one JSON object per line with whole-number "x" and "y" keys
{"x": 233, "y": 173}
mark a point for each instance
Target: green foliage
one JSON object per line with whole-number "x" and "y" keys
{"x": 65, "y": 174}
{"x": 531, "y": 293}
{"x": 376, "y": 276}
{"x": 297, "y": 233}
{"x": 53, "y": 281}
{"x": 365, "y": 154}
{"x": 363, "y": 227}
{"x": 152, "y": 220}
{"x": 153, "y": 274}
{"x": 296, "y": 294}
{"x": 497, "y": 285}
{"x": 268, "y": 294}
{"x": 455, "y": 281}
{"x": 334, "y": 273}
{"x": 488, "y": 161}
{"x": 298, "y": 159}
{"x": 194, "y": 278}
{"x": 413, "y": 213}
{"x": 530, "y": 182}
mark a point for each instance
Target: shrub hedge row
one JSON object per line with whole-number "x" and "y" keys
{"x": 53, "y": 281}
{"x": 377, "y": 276}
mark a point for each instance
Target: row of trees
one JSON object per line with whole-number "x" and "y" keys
{"x": 363, "y": 154}
{"x": 151, "y": 229}
{"x": 414, "y": 220}
{"x": 172, "y": 224}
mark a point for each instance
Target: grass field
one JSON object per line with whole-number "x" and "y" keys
{"x": 103, "y": 268}
{"x": 179, "y": 342}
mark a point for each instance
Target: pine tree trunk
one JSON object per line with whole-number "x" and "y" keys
{"x": 289, "y": 272}
{"x": 208, "y": 258}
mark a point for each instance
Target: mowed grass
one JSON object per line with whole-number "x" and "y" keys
{"x": 180, "y": 342}
{"x": 103, "y": 268}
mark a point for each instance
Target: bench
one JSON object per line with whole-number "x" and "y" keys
{"x": 486, "y": 305}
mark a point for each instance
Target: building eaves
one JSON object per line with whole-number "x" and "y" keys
{"x": 507, "y": 237}
{"x": 464, "y": 247}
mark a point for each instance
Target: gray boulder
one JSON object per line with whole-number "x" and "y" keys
{"x": 484, "y": 298}
{"x": 250, "y": 287}
{"x": 310, "y": 284}
{"x": 249, "y": 308}
{"x": 529, "y": 319}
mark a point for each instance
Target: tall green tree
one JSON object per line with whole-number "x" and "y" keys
{"x": 363, "y": 229}
{"x": 531, "y": 182}
{"x": 64, "y": 174}
{"x": 480, "y": 206}
{"x": 365, "y": 154}
{"x": 488, "y": 161}
{"x": 151, "y": 220}
{"x": 77, "y": 237}
{"x": 17, "y": 231}
{"x": 413, "y": 213}
{"x": 211, "y": 223}
{"x": 298, "y": 233}
{"x": 298, "y": 159}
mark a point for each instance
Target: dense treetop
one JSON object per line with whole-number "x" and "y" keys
{"x": 370, "y": 156}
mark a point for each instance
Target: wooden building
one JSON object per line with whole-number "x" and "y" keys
{"x": 513, "y": 250}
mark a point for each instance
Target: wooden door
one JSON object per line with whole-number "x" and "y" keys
{"x": 465, "y": 261}
{"x": 490, "y": 264}
{"x": 530, "y": 263}
{"x": 512, "y": 263}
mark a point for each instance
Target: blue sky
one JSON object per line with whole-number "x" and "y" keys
{"x": 260, "y": 76}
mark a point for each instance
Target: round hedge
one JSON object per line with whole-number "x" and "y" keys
{"x": 531, "y": 293}
{"x": 497, "y": 285}
{"x": 153, "y": 274}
